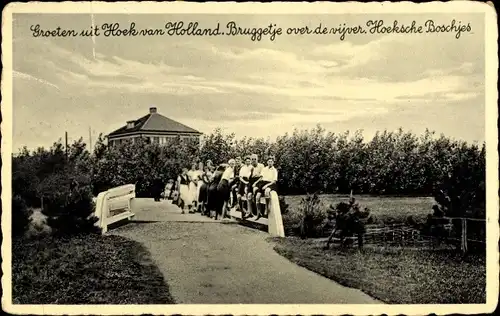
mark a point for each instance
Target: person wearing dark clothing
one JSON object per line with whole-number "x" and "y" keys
{"x": 212, "y": 196}
{"x": 224, "y": 190}
{"x": 203, "y": 193}
{"x": 157, "y": 189}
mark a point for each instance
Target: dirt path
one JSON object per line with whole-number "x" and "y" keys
{"x": 213, "y": 263}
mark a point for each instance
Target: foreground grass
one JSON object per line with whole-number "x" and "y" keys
{"x": 395, "y": 275}
{"x": 85, "y": 270}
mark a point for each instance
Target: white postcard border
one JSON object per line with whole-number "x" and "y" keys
{"x": 491, "y": 34}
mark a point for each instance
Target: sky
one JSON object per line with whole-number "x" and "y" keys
{"x": 261, "y": 88}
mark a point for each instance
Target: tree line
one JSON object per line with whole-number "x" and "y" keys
{"x": 308, "y": 161}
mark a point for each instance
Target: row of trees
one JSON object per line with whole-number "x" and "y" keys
{"x": 391, "y": 163}
{"x": 57, "y": 181}
{"x": 308, "y": 161}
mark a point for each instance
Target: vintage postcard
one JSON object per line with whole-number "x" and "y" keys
{"x": 249, "y": 158}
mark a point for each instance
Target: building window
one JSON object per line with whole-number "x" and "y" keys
{"x": 156, "y": 140}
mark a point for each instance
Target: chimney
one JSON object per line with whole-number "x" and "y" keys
{"x": 152, "y": 110}
{"x": 130, "y": 124}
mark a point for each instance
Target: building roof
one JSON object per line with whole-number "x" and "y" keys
{"x": 154, "y": 122}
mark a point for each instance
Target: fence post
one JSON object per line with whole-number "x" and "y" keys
{"x": 463, "y": 245}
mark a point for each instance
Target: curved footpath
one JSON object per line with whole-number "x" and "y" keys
{"x": 209, "y": 262}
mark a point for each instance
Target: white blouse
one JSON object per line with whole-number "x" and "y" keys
{"x": 269, "y": 174}
{"x": 245, "y": 171}
{"x": 257, "y": 170}
{"x": 228, "y": 174}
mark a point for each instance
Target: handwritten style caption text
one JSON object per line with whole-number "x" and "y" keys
{"x": 271, "y": 31}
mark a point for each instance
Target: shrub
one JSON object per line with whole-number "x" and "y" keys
{"x": 71, "y": 211}
{"x": 21, "y": 216}
{"x": 307, "y": 219}
{"x": 312, "y": 216}
{"x": 350, "y": 220}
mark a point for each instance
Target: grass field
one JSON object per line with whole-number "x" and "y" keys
{"x": 385, "y": 209}
{"x": 395, "y": 275}
{"x": 90, "y": 269}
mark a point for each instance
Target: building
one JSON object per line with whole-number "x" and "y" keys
{"x": 155, "y": 127}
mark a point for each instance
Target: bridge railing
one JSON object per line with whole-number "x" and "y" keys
{"x": 114, "y": 205}
{"x": 274, "y": 220}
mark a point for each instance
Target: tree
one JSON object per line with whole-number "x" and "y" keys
{"x": 350, "y": 221}
{"x": 217, "y": 147}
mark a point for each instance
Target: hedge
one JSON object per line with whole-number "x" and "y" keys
{"x": 308, "y": 161}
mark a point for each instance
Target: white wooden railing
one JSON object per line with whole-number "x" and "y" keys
{"x": 114, "y": 205}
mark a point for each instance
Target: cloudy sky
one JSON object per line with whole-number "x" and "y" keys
{"x": 266, "y": 88}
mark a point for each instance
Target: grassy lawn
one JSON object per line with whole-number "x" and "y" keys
{"x": 395, "y": 275}
{"x": 385, "y": 209}
{"x": 85, "y": 270}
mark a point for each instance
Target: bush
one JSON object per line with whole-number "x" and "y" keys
{"x": 21, "y": 216}
{"x": 309, "y": 220}
{"x": 350, "y": 220}
{"x": 306, "y": 221}
{"x": 71, "y": 212}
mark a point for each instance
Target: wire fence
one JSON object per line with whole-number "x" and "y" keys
{"x": 454, "y": 231}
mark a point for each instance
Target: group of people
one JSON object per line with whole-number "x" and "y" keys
{"x": 212, "y": 190}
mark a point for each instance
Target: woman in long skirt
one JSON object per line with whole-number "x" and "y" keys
{"x": 224, "y": 189}
{"x": 184, "y": 195}
{"x": 212, "y": 194}
{"x": 203, "y": 192}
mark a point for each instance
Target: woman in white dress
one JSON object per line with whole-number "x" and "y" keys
{"x": 193, "y": 187}
{"x": 199, "y": 181}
